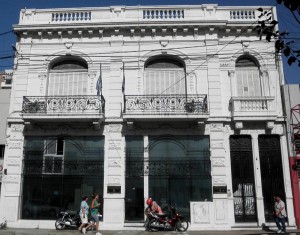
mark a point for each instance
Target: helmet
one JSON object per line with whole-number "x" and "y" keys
{"x": 149, "y": 201}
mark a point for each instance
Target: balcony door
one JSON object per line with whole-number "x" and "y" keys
{"x": 68, "y": 77}
{"x": 248, "y": 78}
{"x": 164, "y": 76}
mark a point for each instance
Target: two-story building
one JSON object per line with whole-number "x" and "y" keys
{"x": 178, "y": 103}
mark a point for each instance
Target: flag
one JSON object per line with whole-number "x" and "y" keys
{"x": 123, "y": 83}
{"x": 99, "y": 83}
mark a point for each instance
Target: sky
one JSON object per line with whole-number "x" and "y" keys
{"x": 10, "y": 9}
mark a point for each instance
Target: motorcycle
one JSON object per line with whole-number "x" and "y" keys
{"x": 156, "y": 222}
{"x": 67, "y": 219}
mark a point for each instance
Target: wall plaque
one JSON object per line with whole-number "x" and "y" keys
{"x": 113, "y": 189}
{"x": 219, "y": 189}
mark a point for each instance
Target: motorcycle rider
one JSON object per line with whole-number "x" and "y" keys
{"x": 153, "y": 206}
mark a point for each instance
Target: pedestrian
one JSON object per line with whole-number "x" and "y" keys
{"x": 280, "y": 214}
{"x": 95, "y": 211}
{"x": 84, "y": 211}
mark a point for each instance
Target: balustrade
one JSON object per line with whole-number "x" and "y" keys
{"x": 253, "y": 106}
{"x": 242, "y": 15}
{"x": 163, "y": 14}
{"x": 71, "y": 16}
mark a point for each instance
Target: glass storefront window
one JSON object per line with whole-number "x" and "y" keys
{"x": 179, "y": 171}
{"x": 58, "y": 171}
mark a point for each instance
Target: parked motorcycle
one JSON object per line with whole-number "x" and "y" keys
{"x": 67, "y": 219}
{"x": 156, "y": 222}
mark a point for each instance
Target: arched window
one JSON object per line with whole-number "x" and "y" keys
{"x": 68, "y": 76}
{"x": 164, "y": 75}
{"x": 248, "y": 77}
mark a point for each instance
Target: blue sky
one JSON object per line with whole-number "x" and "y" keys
{"x": 9, "y": 14}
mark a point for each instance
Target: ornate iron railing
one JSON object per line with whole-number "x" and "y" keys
{"x": 63, "y": 104}
{"x": 183, "y": 168}
{"x": 36, "y": 167}
{"x": 165, "y": 104}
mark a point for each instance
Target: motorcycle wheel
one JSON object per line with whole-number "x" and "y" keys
{"x": 153, "y": 222}
{"x": 59, "y": 224}
{"x": 182, "y": 225}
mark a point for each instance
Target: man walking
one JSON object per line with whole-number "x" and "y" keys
{"x": 280, "y": 214}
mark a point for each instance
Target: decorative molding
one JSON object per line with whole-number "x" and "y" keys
{"x": 13, "y": 161}
{"x": 200, "y": 212}
{"x": 17, "y": 127}
{"x": 114, "y": 163}
{"x": 43, "y": 79}
{"x": 16, "y": 145}
{"x": 239, "y": 125}
{"x": 270, "y": 125}
{"x": 219, "y": 180}
{"x": 164, "y": 43}
{"x": 218, "y": 162}
{"x": 216, "y": 127}
{"x": 114, "y": 128}
{"x": 217, "y": 145}
{"x": 114, "y": 180}
{"x": 114, "y": 144}
{"x": 10, "y": 179}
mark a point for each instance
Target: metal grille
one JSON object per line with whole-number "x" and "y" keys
{"x": 271, "y": 172}
{"x": 70, "y": 168}
{"x": 243, "y": 179}
{"x": 183, "y": 169}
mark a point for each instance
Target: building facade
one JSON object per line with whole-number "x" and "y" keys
{"x": 292, "y": 109}
{"x": 5, "y": 89}
{"x": 178, "y": 103}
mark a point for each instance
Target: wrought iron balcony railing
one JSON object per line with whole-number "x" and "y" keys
{"x": 165, "y": 104}
{"x": 45, "y": 105}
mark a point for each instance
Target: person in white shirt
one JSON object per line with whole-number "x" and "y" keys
{"x": 280, "y": 214}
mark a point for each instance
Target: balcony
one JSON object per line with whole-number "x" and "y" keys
{"x": 253, "y": 108}
{"x": 60, "y": 108}
{"x": 165, "y": 107}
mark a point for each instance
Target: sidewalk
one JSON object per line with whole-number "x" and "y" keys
{"x": 12, "y": 231}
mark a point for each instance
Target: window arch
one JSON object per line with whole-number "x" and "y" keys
{"x": 164, "y": 75}
{"x": 248, "y": 77}
{"x": 68, "y": 76}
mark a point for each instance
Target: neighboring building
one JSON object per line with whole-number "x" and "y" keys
{"x": 178, "y": 103}
{"x": 292, "y": 107}
{"x": 5, "y": 89}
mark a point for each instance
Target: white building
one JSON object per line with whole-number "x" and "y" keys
{"x": 188, "y": 112}
{"x": 5, "y": 89}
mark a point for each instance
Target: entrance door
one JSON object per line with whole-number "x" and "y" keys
{"x": 243, "y": 179}
{"x": 134, "y": 181}
{"x": 271, "y": 172}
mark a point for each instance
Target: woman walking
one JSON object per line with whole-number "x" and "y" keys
{"x": 95, "y": 211}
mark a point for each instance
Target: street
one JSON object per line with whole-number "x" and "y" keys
{"x": 12, "y": 231}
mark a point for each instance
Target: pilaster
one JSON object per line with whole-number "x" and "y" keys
{"x": 11, "y": 193}
{"x": 114, "y": 177}
{"x": 287, "y": 181}
{"x": 257, "y": 178}
{"x": 219, "y": 177}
